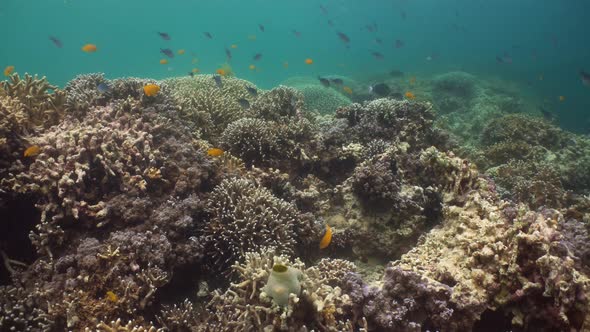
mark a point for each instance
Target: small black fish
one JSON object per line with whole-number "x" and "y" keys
{"x": 191, "y": 74}
{"x": 244, "y": 103}
{"x": 399, "y": 43}
{"x": 324, "y": 10}
{"x": 585, "y": 77}
{"x": 257, "y": 56}
{"x": 167, "y": 52}
{"x": 396, "y": 73}
{"x": 218, "y": 82}
{"x": 228, "y": 54}
{"x": 546, "y": 114}
{"x": 164, "y": 35}
{"x": 378, "y": 41}
{"x": 377, "y": 55}
{"x": 337, "y": 81}
{"x": 56, "y": 42}
{"x": 252, "y": 91}
{"x": 380, "y": 89}
{"x": 330, "y": 23}
{"x": 261, "y": 27}
{"x": 403, "y": 15}
{"x": 297, "y": 33}
{"x": 369, "y": 28}
{"x": 325, "y": 82}
{"x": 208, "y": 35}
{"x": 343, "y": 37}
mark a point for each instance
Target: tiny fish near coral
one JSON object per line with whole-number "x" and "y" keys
{"x": 214, "y": 152}
{"x": 151, "y": 90}
{"x": 32, "y": 151}
{"x": 327, "y": 238}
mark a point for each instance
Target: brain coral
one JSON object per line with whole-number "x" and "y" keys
{"x": 317, "y": 97}
{"x": 209, "y": 107}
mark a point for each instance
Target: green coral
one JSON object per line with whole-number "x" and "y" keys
{"x": 210, "y": 108}
{"x": 317, "y": 97}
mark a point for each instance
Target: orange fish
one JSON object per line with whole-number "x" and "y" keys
{"x": 163, "y": 61}
{"x": 413, "y": 80}
{"x": 8, "y": 70}
{"x": 286, "y": 64}
{"x": 234, "y": 46}
{"x": 410, "y": 95}
{"x": 151, "y": 90}
{"x": 252, "y": 67}
{"x": 181, "y": 52}
{"x": 214, "y": 152}
{"x": 327, "y": 238}
{"x": 111, "y": 296}
{"x": 308, "y": 61}
{"x": 561, "y": 98}
{"x": 221, "y": 72}
{"x": 347, "y": 90}
{"x": 252, "y": 37}
{"x": 32, "y": 151}
{"x": 89, "y": 48}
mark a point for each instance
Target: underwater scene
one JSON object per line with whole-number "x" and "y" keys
{"x": 312, "y": 165}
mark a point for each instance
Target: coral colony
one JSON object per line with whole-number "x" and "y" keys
{"x": 187, "y": 205}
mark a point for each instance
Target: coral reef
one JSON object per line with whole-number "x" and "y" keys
{"x": 325, "y": 100}
{"x": 453, "y": 91}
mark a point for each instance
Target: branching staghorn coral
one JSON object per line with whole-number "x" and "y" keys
{"x": 42, "y": 102}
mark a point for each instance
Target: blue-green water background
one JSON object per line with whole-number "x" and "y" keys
{"x": 125, "y": 33}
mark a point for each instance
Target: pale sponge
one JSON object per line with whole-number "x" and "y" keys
{"x": 282, "y": 281}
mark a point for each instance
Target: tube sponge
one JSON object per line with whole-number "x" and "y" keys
{"x": 282, "y": 281}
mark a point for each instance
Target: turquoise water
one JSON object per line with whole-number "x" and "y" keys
{"x": 547, "y": 39}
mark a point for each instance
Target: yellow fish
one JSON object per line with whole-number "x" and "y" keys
{"x": 181, "y": 52}
{"x": 151, "y": 90}
{"x": 410, "y": 95}
{"x": 308, "y": 61}
{"x": 195, "y": 70}
{"x": 214, "y": 152}
{"x": 252, "y": 37}
{"x": 111, "y": 296}
{"x": 89, "y": 48}
{"x": 347, "y": 90}
{"x": 8, "y": 70}
{"x": 163, "y": 61}
{"x": 561, "y": 98}
{"x": 32, "y": 151}
{"x": 327, "y": 238}
{"x": 252, "y": 67}
{"x": 234, "y": 46}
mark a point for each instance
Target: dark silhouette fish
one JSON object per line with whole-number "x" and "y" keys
{"x": 257, "y": 56}
{"x": 228, "y": 54}
{"x": 325, "y": 82}
{"x": 244, "y": 103}
{"x": 324, "y": 10}
{"x": 167, "y": 52}
{"x": 208, "y": 35}
{"x": 380, "y": 89}
{"x": 218, "y": 82}
{"x": 343, "y": 37}
{"x": 252, "y": 91}
{"x": 378, "y": 41}
{"x": 399, "y": 43}
{"x": 370, "y": 28}
{"x": 504, "y": 59}
{"x": 330, "y": 23}
{"x": 164, "y": 35}
{"x": 546, "y": 114}
{"x": 296, "y": 33}
{"x": 261, "y": 27}
{"x": 585, "y": 77}
{"x": 337, "y": 81}
{"x": 191, "y": 74}
{"x": 56, "y": 42}
{"x": 377, "y": 55}
{"x": 403, "y": 15}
